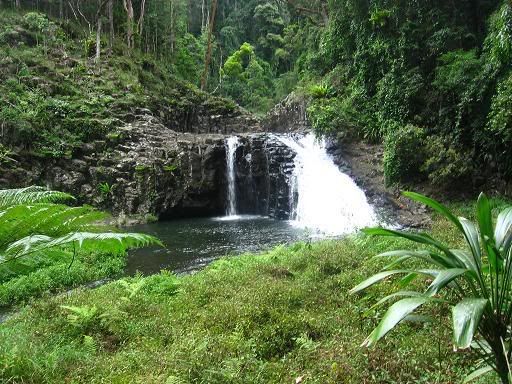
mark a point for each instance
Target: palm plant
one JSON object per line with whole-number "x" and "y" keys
{"x": 35, "y": 229}
{"x": 476, "y": 282}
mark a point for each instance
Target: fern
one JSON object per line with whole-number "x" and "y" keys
{"x": 132, "y": 289}
{"x": 35, "y": 230}
{"x": 30, "y": 195}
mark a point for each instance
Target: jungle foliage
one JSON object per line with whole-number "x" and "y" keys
{"x": 441, "y": 67}
{"x": 370, "y": 69}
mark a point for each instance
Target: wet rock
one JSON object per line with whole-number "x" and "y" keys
{"x": 288, "y": 116}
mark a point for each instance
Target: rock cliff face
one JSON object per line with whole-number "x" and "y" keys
{"x": 263, "y": 168}
{"x": 290, "y": 115}
{"x": 145, "y": 168}
{"x": 149, "y": 168}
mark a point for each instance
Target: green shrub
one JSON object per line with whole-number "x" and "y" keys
{"x": 498, "y": 43}
{"x": 83, "y": 319}
{"x": 324, "y": 115}
{"x": 404, "y": 154}
{"x": 445, "y": 164}
{"x": 320, "y": 91}
{"x": 162, "y": 284}
{"x": 498, "y": 133}
{"x": 336, "y": 115}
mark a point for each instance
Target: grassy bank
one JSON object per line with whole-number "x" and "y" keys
{"x": 271, "y": 318}
{"x": 59, "y": 275}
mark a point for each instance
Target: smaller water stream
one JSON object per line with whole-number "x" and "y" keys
{"x": 232, "y": 144}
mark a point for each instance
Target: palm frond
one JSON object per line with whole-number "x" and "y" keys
{"x": 108, "y": 242}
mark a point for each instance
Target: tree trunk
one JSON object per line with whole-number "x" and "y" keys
{"x": 110, "y": 11}
{"x": 128, "y": 7}
{"x": 98, "y": 40}
{"x": 140, "y": 23}
{"x": 172, "y": 36}
{"x": 17, "y": 3}
{"x": 99, "y": 22}
{"x": 203, "y": 26}
{"x": 208, "y": 57}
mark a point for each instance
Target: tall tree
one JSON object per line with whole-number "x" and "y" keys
{"x": 140, "y": 23}
{"x": 110, "y": 15}
{"x": 128, "y": 7}
{"x": 208, "y": 56}
{"x": 99, "y": 23}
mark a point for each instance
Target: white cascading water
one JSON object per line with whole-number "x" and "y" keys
{"x": 323, "y": 198}
{"x": 232, "y": 143}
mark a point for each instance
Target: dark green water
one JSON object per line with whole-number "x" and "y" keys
{"x": 193, "y": 243}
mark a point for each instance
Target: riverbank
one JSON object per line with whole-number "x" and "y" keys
{"x": 282, "y": 317}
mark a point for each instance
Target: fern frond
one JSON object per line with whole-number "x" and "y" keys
{"x": 30, "y": 195}
{"x": 36, "y": 232}
{"x": 108, "y": 242}
{"x": 46, "y": 219}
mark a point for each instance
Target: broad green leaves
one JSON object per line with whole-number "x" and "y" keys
{"x": 395, "y": 314}
{"x": 478, "y": 279}
{"x": 30, "y": 195}
{"x": 466, "y": 317}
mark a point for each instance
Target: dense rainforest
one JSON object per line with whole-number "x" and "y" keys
{"x": 429, "y": 79}
{"x": 300, "y": 120}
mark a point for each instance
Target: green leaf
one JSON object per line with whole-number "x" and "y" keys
{"x": 466, "y": 258}
{"x": 382, "y": 275}
{"x": 421, "y": 238}
{"x": 30, "y": 195}
{"x": 115, "y": 242}
{"x": 404, "y": 255}
{"x": 392, "y": 296}
{"x": 466, "y": 316}
{"x": 476, "y": 374}
{"x": 472, "y": 237}
{"x": 444, "y": 278}
{"x": 375, "y": 279}
{"x": 395, "y": 314}
{"x": 407, "y": 279}
{"x": 435, "y": 205}
{"x": 484, "y": 216}
{"x": 503, "y": 231}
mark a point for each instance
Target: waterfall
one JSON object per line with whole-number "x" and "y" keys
{"x": 232, "y": 143}
{"x": 322, "y": 198}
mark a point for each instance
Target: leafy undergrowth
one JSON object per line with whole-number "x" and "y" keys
{"x": 273, "y": 318}
{"x": 54, "y": 97}
{"x": 59, "y": 275}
